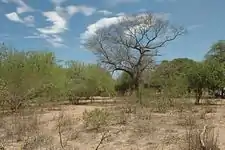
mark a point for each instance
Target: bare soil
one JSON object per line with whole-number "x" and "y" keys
{"x": 144, "y": 130}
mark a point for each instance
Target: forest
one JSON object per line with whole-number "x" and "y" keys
{"x": 48, "y": 104}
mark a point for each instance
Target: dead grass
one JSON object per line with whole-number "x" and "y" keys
{"x": 200, "y": 139}
{"x": 20, "y": 127}
{"x": 178, "y": 126}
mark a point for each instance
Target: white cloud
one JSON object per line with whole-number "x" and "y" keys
{"x": 72, "y": 10}
{"x": 28, "y": 20}
{"x": 60, "y": 17}
{"x": 105, "y": 12}
{"x": 87, "y": 11}
{"x": 106, "y": 22}
{"x": 14, "y": 17}
{"x": 54, "y": 40}
{"x": 21, "y": 6}
{"x": 59, "y": 23}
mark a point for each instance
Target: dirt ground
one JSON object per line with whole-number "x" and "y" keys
{"x": 143, "y": 130}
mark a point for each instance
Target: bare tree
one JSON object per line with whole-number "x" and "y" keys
{"x": 132, "y": 43}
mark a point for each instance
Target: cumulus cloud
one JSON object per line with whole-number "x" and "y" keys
{"x": 104, "y": 22}
{"x": 14, "y": 17}
{"x": 59, "y": 23}
{"x": 87, "y": 11}
{"x": 72, "y": 9}
{"x": 107, "y": 22}
{"x": 28, "y": 20}
{"x": 22, "y": 7}
{"x": 59, "y": 19}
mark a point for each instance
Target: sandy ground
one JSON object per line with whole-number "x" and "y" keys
{"x": 162, "y": 132}
{"x": 219, "y": 122}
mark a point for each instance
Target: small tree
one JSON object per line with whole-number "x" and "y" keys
{"x": 87, "y": 80}
{"x": 215, "y": 58}
{"x": 198, "y": 79}
{"x": 170, "y": 76}
{"x": 217, "y": 52}
{"x": 123, "y": 83}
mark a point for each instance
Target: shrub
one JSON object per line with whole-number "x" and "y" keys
{"x": 96, "y": 118}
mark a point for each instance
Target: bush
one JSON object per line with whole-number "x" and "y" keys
{"x": 96, "y": 118}
{"x": 25, "y": 76}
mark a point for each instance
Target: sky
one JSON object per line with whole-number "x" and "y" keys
{"x": 61, "y": 25}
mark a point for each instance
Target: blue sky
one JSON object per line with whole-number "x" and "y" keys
{"x": 59, "y": 25}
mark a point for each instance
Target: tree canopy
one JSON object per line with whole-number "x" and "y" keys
{"x": 30, "y": 77}
{"x": 131, "y": 44}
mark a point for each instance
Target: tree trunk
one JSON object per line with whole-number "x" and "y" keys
{"x": 138, "y": 89}
{"x": 198, "y": 95}
{"x": 222, "y": 93}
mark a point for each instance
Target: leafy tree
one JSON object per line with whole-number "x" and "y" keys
{"x": 124, "y": 83}
{"x": 217, "y": 52}
{"x": 131, "y": 44}
{"x": 215, "y": 58}
{"x": 198, "y": 79}
{"x": 24, "y": 76}
{"x": 87, "y": 81}
{"x": 170, "y": 76}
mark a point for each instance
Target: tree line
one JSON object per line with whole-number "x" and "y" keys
{"x": 129, "y": 46}
{"x": 34, "y": 77}
{"x": 184, "y": 76}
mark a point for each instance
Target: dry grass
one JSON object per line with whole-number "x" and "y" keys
{"x": 200, "y": 139}
{"x": 96, "y": 119}
{"x": 122, "y": 126}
